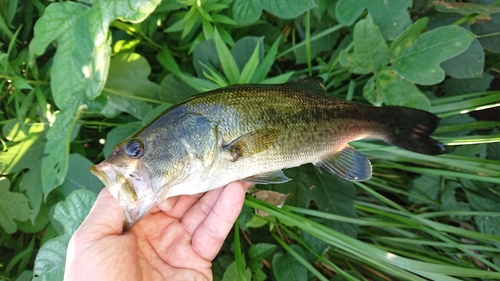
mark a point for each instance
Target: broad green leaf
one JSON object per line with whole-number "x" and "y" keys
{"x": 257, "y": 253}
{"x": 72, "y": 211}
{"x": 227, "y": 61}
{"x": 390, "y": 89}
{"x": 128, "y": 88}
{"x": 347, "y": 12}
{"x": 331, "y": 194}
{"x": 469, "y": 64}
{"x": 81, "y": 60}
{"x": 247, "y": 12}
{"x": 51, "y": 259}
{"x": 324, "y": 43}
{"x": 417, "y": 57}
{"x": 32, "y": 187}
{"x": 174, "y": 90}
{"x": 370, "y": 50}
{"x": 243, "y": 50}
{"x": 55, "y": 161}
{"x": 21, "y": 155}
{"x": 231, "y": 273}
{"x": 79, "y": 176}
{"x": 489, "y": 28}
{"x": 486, "y": 201}
{"x": 449, "y": 200}
{"x": 205, "y": 54}
{"x": 13, "y": 130}
{"x": 285, "y": 267}
{"x": 13, "y": 206}
{"x": 425, "y": 189}
{"x": 391, "y": 16}
{"x": 464, "y": 86}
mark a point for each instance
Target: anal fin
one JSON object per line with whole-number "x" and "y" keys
{"x": 273, "y": 177}
{"x": 349, "y": 164}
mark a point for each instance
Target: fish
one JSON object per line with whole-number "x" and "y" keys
{"x": 251, "y": 132}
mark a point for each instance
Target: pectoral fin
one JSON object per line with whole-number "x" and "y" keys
{"x": 251, "y": 143}
{"x": 348, "y": 164}
{"x": 273, "y": 177}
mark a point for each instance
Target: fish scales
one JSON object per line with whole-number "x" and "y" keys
{"x": 251, "y": 132}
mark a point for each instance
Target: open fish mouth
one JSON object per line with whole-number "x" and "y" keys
{"x": 135, "y": 206}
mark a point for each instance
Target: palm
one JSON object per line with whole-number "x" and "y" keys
{"x": 173, "y": 244}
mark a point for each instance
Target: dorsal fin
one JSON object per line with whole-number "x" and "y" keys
{"x": 314, "y": 82}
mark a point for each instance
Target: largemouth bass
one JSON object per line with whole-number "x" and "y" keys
{"x": 250, "y": 132}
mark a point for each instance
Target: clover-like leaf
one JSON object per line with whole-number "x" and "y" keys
{"x": 370, "y": 50}
{"x": 417, "y": 57}
{"x": 13, "y": 206}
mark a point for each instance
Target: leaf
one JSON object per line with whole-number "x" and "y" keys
{"x": 247, "y": 12}
{"x": 251, "y": 65}
{"x": 469, "y": 64}
{"x": 243, "y": 50}
{"x": 449, "y": 201}
{"x": 174, "y": 90}
{"x": 266, "y": 63}
{"x": 79, "y": 176}
{"x": 231, "y": 273}
{"x": 205, "y": 54}
{"x": 13, "y": 206}
{"x": 391, "y": 16}
{"x": 490, "y": 28}
{"x": 51, "y": 259}
{"x": 454, "y": 86}
{"x": 425, "y": 189}
{"x": 227, "y": 61}
{"x": 392, "y": 90}
{"x": 370, "y": 50}
{"x": 32, "y": 187}
{"x": 55, "y": 162}
{"x": 127, "y": 83}
{"x": 22, "y": 155}
{"x": 486, "y": 201}
{"x": 286, "y": 268}
{"x": 72, "y": 211}
{"x": 331, "y": 194}
{"x": 417, "y": 57}
{"x": 257, "y": 253}
{"x": 80, "y": 62}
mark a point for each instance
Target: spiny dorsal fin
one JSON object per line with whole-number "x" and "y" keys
{"x": 315, "y": 82}
{"x": 348, "y": 164}
{"x": 251, "y": 143}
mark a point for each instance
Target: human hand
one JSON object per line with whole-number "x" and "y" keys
{"x": 177, "y": 243}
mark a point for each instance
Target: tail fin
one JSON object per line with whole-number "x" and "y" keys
{"x": 413, "y": 129}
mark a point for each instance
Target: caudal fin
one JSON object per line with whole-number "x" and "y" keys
{"x": 412, "y": 130}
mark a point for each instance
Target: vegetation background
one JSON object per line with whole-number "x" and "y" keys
{"x": 78, "y": 77}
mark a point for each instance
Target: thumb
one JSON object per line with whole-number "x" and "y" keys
{"x": 105, "y": 218}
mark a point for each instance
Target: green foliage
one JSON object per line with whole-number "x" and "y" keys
{"x": 78, "y": 77}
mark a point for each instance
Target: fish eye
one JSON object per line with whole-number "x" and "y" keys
{"x": 135, "y": 148}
